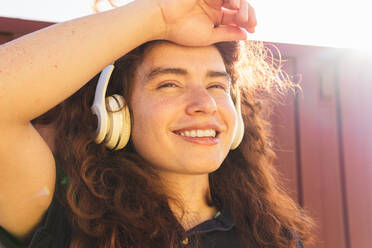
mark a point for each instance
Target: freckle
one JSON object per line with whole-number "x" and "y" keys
{"x": 55, "y": 66}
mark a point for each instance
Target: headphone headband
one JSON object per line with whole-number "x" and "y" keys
{"x": 98, "y": 108}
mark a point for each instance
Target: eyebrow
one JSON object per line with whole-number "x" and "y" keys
{"x": 157, "y": 71}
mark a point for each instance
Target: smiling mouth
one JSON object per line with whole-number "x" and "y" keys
{"x": 198, "y": 133}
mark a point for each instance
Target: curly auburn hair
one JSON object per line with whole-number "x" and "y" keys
{"x": 115, "y": 198}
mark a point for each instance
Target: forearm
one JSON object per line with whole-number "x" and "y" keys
{"x": 40, "y": 70}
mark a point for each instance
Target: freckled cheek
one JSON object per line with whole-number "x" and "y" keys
{"x": 153, "y": 115}
{"x": 228, "y": 112}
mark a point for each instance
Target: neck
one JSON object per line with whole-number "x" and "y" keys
{"x": 190, "y": 192}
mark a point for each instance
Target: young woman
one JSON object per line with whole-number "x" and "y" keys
{"x": 184, "y": 179}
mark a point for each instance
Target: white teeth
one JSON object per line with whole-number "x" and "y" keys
{"x": 193, "y": 133}
{"x": 199, "y": 133}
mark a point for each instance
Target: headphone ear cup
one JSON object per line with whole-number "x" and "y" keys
{"x": 115, "y": 122}
{"x": 239, "y": 130}
{"x": 126, "y": 123}
{"x": 238, "y": 134}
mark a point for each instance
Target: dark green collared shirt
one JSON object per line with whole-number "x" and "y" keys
{"x": 55, "y": 232}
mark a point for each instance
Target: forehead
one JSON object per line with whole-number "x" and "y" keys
{"x": 193, "y": 59}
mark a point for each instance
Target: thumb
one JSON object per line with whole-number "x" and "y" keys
{"x": 228, "y": 33}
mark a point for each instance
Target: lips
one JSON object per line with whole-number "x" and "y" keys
{"x": 208, "y": 141}
{"x": 203, "y": 135}
{"x": 198, "y": 133}
{"x": 214, "y": 127}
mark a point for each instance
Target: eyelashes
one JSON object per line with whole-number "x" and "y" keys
{"x": 219, "y": 86}
{"x": 167, "y": 85}
{"x": 212, "y": 86}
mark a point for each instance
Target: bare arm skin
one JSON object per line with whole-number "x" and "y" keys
{"x": 40, "y": 70}
{"x": 46, "y": 67}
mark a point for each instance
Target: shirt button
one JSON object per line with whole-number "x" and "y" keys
{"x": 185, "y": 241}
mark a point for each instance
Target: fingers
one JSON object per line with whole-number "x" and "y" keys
{"x": 252, "y": 20}
{"x": 228, "y": 17}
{"x": 244, "y": 16}
{"x": 228, "y": 33}
{"x": 231, "y": 4}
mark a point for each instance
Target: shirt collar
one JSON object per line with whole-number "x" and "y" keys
{"x": 220, "y": 222}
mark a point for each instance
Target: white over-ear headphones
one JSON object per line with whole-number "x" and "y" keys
{"x": 112, "y": 113}
{"x": 239, "y": 128}
{"x": 114, "y": 118}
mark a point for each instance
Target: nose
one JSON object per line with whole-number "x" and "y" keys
{"x": 200, "y": 102}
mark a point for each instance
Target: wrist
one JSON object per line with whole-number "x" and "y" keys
{"x": 154, "y": 20}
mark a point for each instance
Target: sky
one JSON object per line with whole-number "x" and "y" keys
{"x": 333, "y": 23}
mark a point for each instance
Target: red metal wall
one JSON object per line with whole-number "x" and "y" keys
{"x": 327, "y": 145}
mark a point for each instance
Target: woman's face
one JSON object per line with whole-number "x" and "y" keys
{"x": 180, "y": 92}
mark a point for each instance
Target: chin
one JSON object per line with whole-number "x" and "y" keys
{"x": 202, "y": 168}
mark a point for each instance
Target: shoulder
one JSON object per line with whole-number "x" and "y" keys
{"x": 54, "y": 231}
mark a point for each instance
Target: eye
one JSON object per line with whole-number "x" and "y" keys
{"x": 218, "y": 86}
{"x": 167, "y": 85}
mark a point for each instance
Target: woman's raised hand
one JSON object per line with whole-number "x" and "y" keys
{"x": 204, "y": 22}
